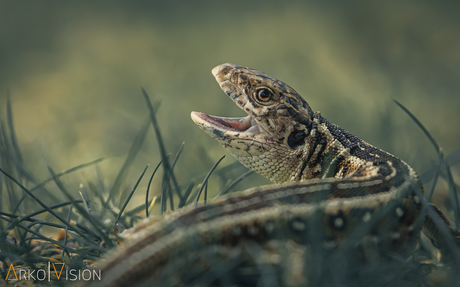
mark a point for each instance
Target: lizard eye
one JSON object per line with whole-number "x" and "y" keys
{"x": 264, "y": 95}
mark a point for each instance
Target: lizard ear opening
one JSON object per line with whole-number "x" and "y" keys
{"x": 296, "y": 138}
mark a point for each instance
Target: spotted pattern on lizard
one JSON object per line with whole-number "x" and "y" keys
{"x": 321, "y": 171}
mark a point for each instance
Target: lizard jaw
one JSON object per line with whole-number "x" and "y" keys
{"x": 226, "y": 127}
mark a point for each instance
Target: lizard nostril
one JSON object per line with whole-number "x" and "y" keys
{"x": 223, "y": 69}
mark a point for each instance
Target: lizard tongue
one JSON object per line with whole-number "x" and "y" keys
{"x": 235, "y": 126}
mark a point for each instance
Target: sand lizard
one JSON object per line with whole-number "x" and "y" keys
{"x": 319, "y": 169}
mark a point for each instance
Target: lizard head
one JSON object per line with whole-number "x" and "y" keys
{"x": 278, "y": 118}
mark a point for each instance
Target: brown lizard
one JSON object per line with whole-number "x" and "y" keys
{"x": 329, "y": 184}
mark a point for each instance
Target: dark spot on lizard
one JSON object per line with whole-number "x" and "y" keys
{"x": 292, "y": 103}
{"x": 319, "y": 156}
{"x": 280, "y": 106}
{"x": 247, "y": 148}
{"x": 217, "y": 132}
{"x": 339, "y": 161}
{"x": 305, "y": 105}
{"x": 296, "y": 138}
{"x": 403, "y": 215}
{"x": 299, "y": 117}
{"x": 345, "y": 168}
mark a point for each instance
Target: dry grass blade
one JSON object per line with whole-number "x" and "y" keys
{"x": 66, "y": 234}
{"x": 98, "y": 226}
{"x": 45, "y": 238}
{"x": 57, "y": 216}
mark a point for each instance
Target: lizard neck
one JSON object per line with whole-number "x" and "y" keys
{"x": 332, "y": 152}
{"x": 328, "y": 152}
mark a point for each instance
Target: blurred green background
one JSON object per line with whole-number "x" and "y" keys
{"x": 74, "y": 69}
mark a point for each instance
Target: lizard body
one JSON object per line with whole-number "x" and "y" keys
{"x": 328, "y": 182}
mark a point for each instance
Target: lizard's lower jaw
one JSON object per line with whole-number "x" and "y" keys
{"x": 224, "y": 128}
{"x": 240, "y": 136}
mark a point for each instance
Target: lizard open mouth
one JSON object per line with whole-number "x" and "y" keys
{"x": 226, "y": 128}
{"x": 225, "y": 124}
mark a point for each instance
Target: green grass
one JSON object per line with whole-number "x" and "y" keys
{"x": 34, "y": 210}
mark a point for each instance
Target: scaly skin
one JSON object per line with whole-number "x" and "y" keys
{"x": 331, "y": 186}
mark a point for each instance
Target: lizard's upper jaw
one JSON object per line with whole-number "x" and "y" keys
{"x": 225, "y": 128}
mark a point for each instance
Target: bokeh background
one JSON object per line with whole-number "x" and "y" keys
{"x": 74, "y": 71}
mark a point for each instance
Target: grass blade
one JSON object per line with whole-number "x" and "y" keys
{"x": 129, "y": 197}
{"x": 98, "y": 226}
{"x": 205, "y": 196}
{"x": 13, "y": 139}
{"x": 178, "y": 191}
{"x": 235, "y": 182}
{"x": 160, "y": 141}
{"x": 70, "y": 170}
{"x": 187, "y": 192}
{"x": 435, "y": 144}
{"x": 166, "y": 187}
{"x": 133, "y": 151}
{"x": 47, "y": 208}
{"x": 206, "y": 180}
{"x": 428, "y": 196}
{"x": 453, "y": 194}
{"x": 42, "y": 237}
{"x": 148, "y": 189}
{"x": 28, "y": 217}
{"x": 67, "y": 231}
{"x": 451, "y": 159}
{"x": 452, "y": 186}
